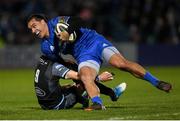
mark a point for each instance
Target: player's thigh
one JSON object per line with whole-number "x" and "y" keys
{"x": 91, "y": 64}
{"x": 94, "y": 50}
{"x": 70, "y": 100}
{"x": 113, "y": 56}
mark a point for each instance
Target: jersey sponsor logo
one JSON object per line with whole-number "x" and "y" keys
{"x": 43, "y": 62}
{"x": 40, "y": 92}
{"x": 104, "y": 45}
{"x": 59, "y": 66}
{"x": 52, "y": 48}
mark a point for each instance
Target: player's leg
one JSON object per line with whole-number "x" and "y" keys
{"x": 60, "y": 70}
{"x": 117, "y": 60}
{"x": 88, "y": 71}
{"x": 114, "y": 93}
{"x": 70, "y": 99}
{"x": 73, "y": 95}
{"x": 113, "y": 57}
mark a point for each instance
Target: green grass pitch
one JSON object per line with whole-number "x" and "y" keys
{"x": 140, "y": 100}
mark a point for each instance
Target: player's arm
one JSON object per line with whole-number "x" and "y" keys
{"x": 61, "y": 71}
{"x": 65, "y": 73}
{"x": 72, "y": 75}
{"x": 73, "y": 25}
{"x": 103, "y": 77}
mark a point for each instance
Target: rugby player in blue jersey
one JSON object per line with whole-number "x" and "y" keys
{"x": 89, "y": 50}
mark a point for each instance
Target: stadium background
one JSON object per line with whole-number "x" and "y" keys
{"x": 145, "y": 31}
{"x": 150, "y": 26}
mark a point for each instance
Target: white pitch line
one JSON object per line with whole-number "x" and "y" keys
{"x": 138, "y": 117}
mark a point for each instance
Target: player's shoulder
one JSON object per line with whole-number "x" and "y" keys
{"x": 59, "y": 19}
{"x": 53, "y": 21}
{"x": 62, "y": 19}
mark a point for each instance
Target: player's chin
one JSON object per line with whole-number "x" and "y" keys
{"x": 64, "y": 40}
{"x": 40, "y": 36}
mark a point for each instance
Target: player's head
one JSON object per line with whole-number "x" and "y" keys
{"x": 37, "y": 23}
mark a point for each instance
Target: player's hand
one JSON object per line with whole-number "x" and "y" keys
{"x": 63, "y": 36}
{"x": 105, "y": 76}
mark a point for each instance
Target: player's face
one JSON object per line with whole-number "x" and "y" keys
{"x": 38, "y": 28}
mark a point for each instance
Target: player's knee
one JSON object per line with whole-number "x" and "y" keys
{"x": 86, "y": 78}
{"x": 87, "y": 75}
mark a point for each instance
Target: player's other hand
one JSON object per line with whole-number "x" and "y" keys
{"x": 63, "y": 36}
{"x": 105, "y": 76}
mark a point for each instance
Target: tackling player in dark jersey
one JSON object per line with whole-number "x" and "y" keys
{"x": 51, "y": 95}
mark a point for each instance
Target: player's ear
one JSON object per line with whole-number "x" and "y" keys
{"x": 42, "y": 21}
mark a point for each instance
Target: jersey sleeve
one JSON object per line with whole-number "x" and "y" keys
{"x": 54, "y": 21}
{"x": 59, "y": 70}
{"x": 47, "y": 50}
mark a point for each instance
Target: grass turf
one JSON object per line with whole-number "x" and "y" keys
{"x": 140, "y": 101}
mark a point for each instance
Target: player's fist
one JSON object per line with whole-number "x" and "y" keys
{"x": 61, "y": 31}
{"x": 105, "y": 76}
{"x": 64, "y": 35}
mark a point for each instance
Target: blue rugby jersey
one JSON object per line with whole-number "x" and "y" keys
{"x": 51, "y": 46}
{"x": 87, "y": 46}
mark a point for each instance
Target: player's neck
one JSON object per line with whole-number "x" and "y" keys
{"x": 47, "y": 32}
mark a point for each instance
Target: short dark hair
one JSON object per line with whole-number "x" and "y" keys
{"x": 37, "y": 17}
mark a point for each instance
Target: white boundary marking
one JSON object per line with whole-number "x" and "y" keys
{"x": 138, "y": 117}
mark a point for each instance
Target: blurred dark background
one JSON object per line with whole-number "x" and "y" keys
{"x": 146, "y": 31}
{"x": 137, "y": 21}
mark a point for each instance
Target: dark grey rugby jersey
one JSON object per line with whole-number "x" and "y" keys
{"x": 47, "y": 88}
